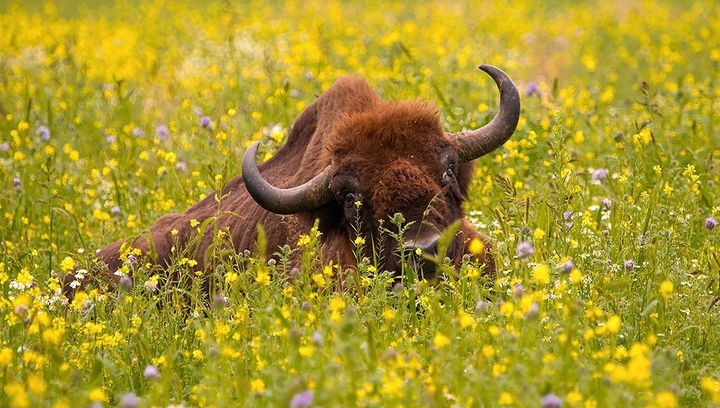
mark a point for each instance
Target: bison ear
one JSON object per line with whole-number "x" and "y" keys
{"x": 464, "y": 177}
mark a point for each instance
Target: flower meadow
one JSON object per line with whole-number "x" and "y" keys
{"x": 603, "y": 207}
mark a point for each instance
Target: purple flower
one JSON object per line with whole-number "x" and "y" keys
{"x": 518, "y": 289}
{"x": 607, "y": 203}
{"x": 480, "y": 305}
{"x": 398, "y": 287}
{"x": 162, "y": 132}
{"x": 115, "y": 210}
{"x": 110, "y": 139}
{"x": 302, "y": 399}
{"x": 568, "y": 215}
{"x": 129, "y": 400}
{"x": 137, "y": 132}
{"x": 21, "y": 310}
{"x": 205, "y": 121}
{"x": 4, "y": 146}
{"x": 151, "y": 372}
{"x": 568, "y": 266}
{"x": 600, "y": 174}
{"x": 17, "y": 182}
{"x": 43, "y": 132}
{"x": 711, "y": 222}
{"x": 551, "y": 401}
{"x": 181, "y": 166}
{"x": 629, "y": 264}
{"x": 131, "y": 260}
{"x": 317, "y": 338}
{"x": 532, "y": 89}
{"x": 534, "y": 309}
{"x": 525, "y": 249}
{"x": 151, "y": 285}
{"x": 219, "y": 301}
{"x": 126, "y": 283}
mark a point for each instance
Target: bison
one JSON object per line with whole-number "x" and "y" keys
{"x": 351, "y": 161}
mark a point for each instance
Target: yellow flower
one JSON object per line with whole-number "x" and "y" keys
{"x": 466, "y": 320}
{"x": 573, "y": 397}
{"x": 359, "y": 241}
{"x": 306, "y": 350}
{"x": 476, "y": 247}
{"x": 6, "y": 356}
{"x": 263, "y": 277}
{"x": 538, "y": 234}
{"x": 67, "y": 264}
{"x": 666, "y": 289}
{"x": 36, "y": 384}
{"x": 257, "y": 386}
{"x": 304, "y": 240}
{"x": 392, "y": 384}
{"x": 637, "y": 370}
{"x": 666, "y": 399}
{"x": 575, "y": 276}
{"x": 541, "y": 274}
{"x": 389, "y": 314}
{"x": 472, "y": 272}
{"x": 506, "y": 398}
{"x": 507, "y": 309}
{"x": 17, "y": 394}
{"x": 319, "y": 280}
{"x": 613, "y": 324}
{"x": 712, "y": 387}
{"x": 440, "y": 340}
{"x": 98, "y": 395}
{"x": 53, "y": 336}
{"x": 337, "y": 305}
{"x": 80, "y": 300}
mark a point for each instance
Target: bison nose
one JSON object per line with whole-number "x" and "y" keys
{"x": 427, "y": 244}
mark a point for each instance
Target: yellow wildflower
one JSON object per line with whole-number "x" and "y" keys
{"x": 666, "y": 289}
{"x": 476, "y": 247}
{"x": 67, "y": 264}
{"x": 712, "y": 387}
{"x": 97, "y": 395}
{"x": 440, "y": 340}
{"x": 541, "y": 274}
{"x": 262, "y": 277}
{"x": 257, "y": 386}
{"x": 506, "y": 398}
{"x": 666, "y": 399}
{"x": 613, "y": 324}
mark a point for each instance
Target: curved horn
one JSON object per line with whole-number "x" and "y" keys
{"x": 307, "y": 196}
{"x": 479, "y": 142}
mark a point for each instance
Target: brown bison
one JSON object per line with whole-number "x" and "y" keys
{"x": 349, "y": 157}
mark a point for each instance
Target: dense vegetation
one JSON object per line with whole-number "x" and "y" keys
{"x": 603, "y": 206}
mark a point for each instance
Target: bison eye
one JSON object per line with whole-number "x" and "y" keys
{"x": 448, "y": 177}
{"x": 351, "y": 198}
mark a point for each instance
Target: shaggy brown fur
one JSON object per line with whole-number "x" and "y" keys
{"x": 392, "y": 153}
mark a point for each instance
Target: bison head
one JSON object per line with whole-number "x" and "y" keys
{"x": 393, "y": 158}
